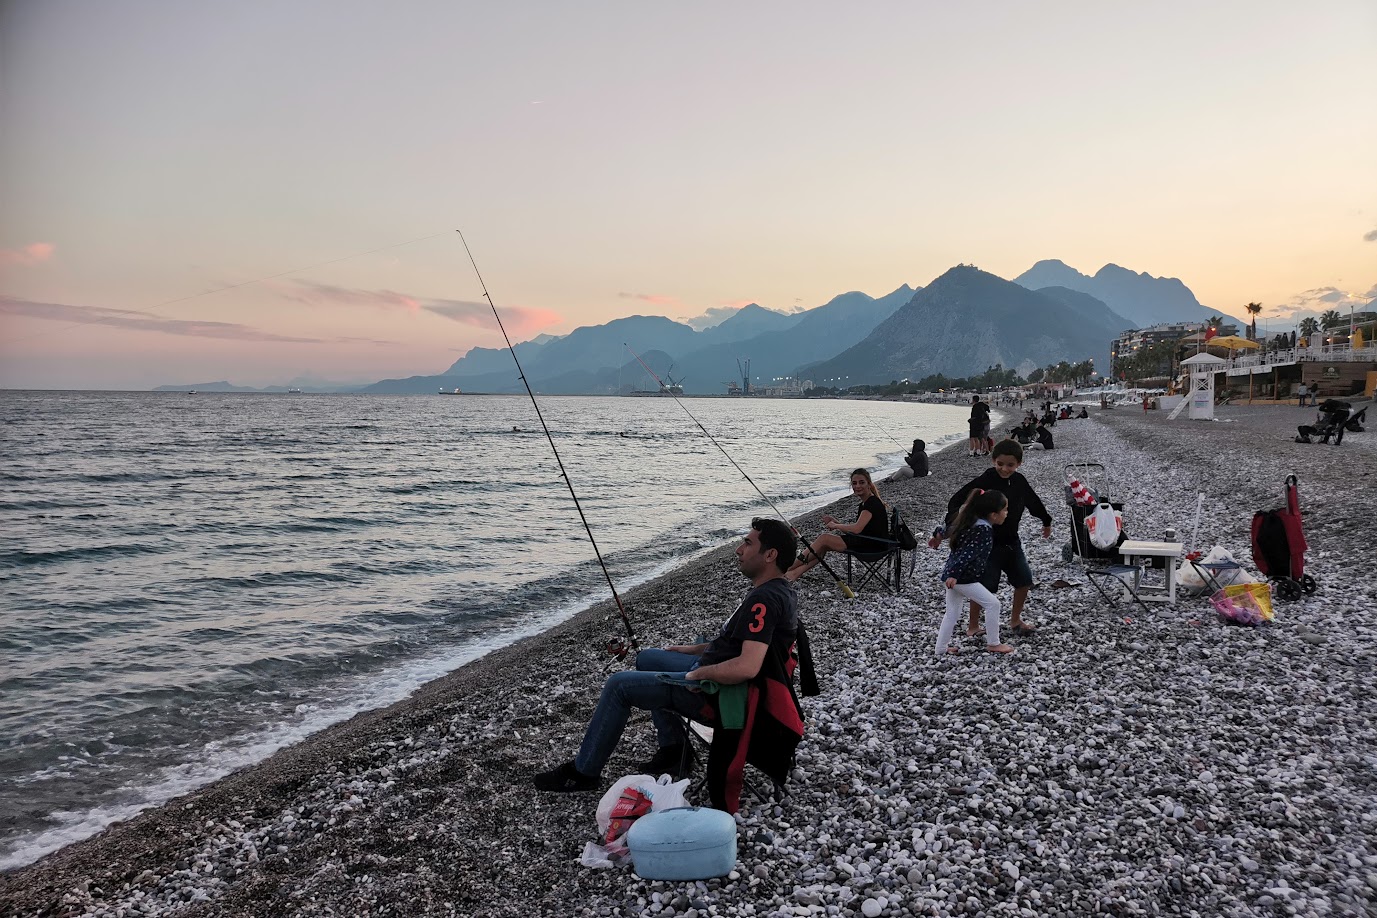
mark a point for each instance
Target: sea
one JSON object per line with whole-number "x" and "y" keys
{"x": 190, "y": 582}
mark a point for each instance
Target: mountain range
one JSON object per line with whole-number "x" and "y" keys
{"x": 1139, "y": 297}
{"x": 968, "y": 320}
{"x": 962, "y": 323}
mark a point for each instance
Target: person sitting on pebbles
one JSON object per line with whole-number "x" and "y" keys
{"x": 766, "y": 621}
{"x": 1007, "y": 556}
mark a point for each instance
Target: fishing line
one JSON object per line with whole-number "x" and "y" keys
{"x": 247, "y": 283}
{"x": 618, "y": 648}
{"x": 846, "y": 590}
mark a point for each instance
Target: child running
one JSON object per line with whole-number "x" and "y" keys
{"x": 1008, "y": 557}
{"x": 972, "y": 539}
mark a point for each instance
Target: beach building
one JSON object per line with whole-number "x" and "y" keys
{"x": 1136, "y": 339}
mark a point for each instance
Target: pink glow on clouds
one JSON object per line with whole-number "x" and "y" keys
{"x": 28, "y": 255}
{"x": 519, "y": 320}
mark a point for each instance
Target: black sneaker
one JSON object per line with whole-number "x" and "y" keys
{"x": 666, "y": 761}
{"x": 565, "y": 779}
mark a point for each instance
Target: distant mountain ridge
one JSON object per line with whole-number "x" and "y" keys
{"x": 593, "y": 359}
{"x": 968, "y": 320}
{"x": 1137, "y": 296}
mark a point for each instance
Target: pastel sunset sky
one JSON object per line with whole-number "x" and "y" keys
{"x": 188, "y": 190}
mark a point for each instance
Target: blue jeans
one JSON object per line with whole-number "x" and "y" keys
{"x": 642, "y": 689}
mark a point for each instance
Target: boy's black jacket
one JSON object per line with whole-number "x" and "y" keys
{"x": 1020, "y": 494}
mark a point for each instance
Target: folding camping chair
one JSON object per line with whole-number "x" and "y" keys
{"x": 885, "y": 564}
{"x": 1104, "y": 568}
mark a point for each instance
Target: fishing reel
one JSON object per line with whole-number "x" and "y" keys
{"x": 618, "y": 647}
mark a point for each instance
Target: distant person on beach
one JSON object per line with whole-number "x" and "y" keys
{"x": 871, "y": 525}
{"x": 1007, "y": 556}
{"x": 979, "y": 426}
{"x": 767, "y": 620}
{"x": 1302, "y": 390}
{"x": 1084, "y": 413}
{"x": 1024, "y": 433}
{"x": 915, "y": 464}
{"x": 1044, "y": 436}
{"x": 972, "y": 541}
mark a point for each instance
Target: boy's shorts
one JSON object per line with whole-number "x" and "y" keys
{"x": 1009, "y": 560}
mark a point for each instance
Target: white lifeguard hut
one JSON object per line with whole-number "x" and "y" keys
{"x": 1202, "y": 368}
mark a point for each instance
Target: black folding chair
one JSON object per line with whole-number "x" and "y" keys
{"x": 884, "y": 565}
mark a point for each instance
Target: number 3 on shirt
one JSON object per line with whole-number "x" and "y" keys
{"x": 758, "y": 625}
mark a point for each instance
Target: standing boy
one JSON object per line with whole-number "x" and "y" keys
{"x": 1007, "y": 557}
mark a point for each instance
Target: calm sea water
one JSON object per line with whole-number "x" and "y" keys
{"x": 190, "y": 582}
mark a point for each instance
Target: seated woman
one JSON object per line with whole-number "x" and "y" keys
{"x": 1044, "y": 436}
{"x": 1024, "y": 433}
{"x": 872, "y": 523}
{"x": 915, "y": 464}
{"x": 1084, "y": 413}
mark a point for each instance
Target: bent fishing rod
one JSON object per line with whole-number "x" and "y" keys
{"x": 845, "y": 589}
{"x": 616, "y": 646}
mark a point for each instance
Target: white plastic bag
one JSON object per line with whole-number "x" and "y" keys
{"x": 1104, "y": 526}
{"x": 647, "y": 785}
{"x": 1190, "y": 580}
{"x": 668, "y": 794}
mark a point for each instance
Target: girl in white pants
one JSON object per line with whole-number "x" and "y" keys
{"x": 972, "y": 539}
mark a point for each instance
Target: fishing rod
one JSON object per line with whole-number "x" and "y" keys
{"x": 616, "y": 646}
{"x": 846, "y": 590}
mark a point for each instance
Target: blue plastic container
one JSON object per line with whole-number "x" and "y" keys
{"x": 689, "y": 843}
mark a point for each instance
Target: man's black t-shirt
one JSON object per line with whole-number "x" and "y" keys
{"x": 768, "y": 614}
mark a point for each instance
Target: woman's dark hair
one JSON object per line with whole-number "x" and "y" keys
{"x": 774, "y": 534}
{"x": 978, "y": 505}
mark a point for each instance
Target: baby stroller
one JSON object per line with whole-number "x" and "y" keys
{"x": 1279, "y": 546}
{"x": 1333, "y": 417}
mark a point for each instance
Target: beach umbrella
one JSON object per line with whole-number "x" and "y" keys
{"x": 1233, "y": 343}
{"x": 1357, "y": 337}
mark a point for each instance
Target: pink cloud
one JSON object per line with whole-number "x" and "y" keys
{"x": 28, "y": 255}
{"x": 519, "y": 320}
{"x": 143, "y": 321}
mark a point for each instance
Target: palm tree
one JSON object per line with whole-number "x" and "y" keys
{"x": 1215, "y": 321}
{"x": 1308, "y": 326}
{"x": 1253, "y": 310}
{"x": 1329, "y": 319}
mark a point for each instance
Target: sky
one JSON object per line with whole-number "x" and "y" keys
{"x": 262, "y": 192}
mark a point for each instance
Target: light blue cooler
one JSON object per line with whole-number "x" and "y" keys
{"x": 688, "y": 843}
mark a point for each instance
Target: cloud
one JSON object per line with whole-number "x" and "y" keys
{"x": 714, "y": 315}
{"x": 1315, "y": 301}
{"x": 147, "y": 322}
{"x": 316, "y": 294}
{"x": 655, "y": 299}
{"x": 519, "y": 320}
{"x": 1370, "y": 236}
{"x": 28, "y": 255}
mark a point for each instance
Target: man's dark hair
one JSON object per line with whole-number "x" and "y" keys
{"x": 774, "y": 534}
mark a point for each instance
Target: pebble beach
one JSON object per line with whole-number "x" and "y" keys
{"x": 1117, "y": 763}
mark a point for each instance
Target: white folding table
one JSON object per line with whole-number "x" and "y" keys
{"x": 1135, "y": 552}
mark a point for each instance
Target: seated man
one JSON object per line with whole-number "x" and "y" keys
{"x": 766, "y": 619}
{"x": 1330, "y": 421}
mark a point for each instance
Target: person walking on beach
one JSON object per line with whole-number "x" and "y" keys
{"x": 1007, "y": 557}
{"x": 972, "y": 541}
{"x": 915, "y": 464}
{"x": 1302, "y": 391}
{"x": 766, "y": 621}
{"x": 865, "y": 534}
